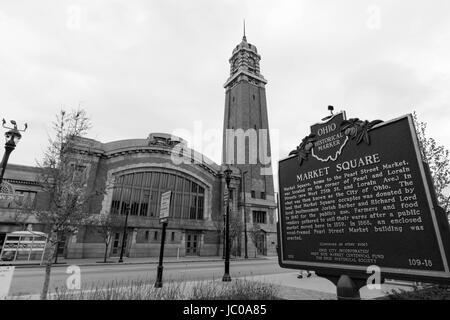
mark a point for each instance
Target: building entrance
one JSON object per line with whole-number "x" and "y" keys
{"x": 192, "y": 240}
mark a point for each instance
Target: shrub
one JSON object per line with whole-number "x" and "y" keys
{"x": 235, "y": 290}
{"x": 140, "y": 289}
{"x": 437, "y": 292}
{"x": 123, "y": 290}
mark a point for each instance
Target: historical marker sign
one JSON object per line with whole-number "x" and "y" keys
{"x": 371, "y": 203}
{"x": 165, "y": 206}
{"x": 330, "y": 140}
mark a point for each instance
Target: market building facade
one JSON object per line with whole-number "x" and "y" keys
{"x": 133, "y": 174}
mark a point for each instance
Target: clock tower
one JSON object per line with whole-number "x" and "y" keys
{"x": 246, "y": 143}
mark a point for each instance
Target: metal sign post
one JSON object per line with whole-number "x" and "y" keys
{"x": 164, "y": 219}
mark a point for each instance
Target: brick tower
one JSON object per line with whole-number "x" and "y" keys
{"x": 246, "y": 143}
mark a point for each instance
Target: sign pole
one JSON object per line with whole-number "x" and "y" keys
{"x": 346, "y": 289}
{"x": 158, "y": 283}
{"x": 164, "y": 212}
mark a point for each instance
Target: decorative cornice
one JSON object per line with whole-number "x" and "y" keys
{"x": 155, "y": 150}
{"x": 233, "y": 56}
{"x": 24, "y": 182}
{"x": 246, "y": 73}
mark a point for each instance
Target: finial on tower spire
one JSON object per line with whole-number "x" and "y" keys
{"x": 244, "y": 37}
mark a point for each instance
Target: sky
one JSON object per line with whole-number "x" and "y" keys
{"x": 139, "y": 67}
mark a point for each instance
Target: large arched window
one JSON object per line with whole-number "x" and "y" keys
{"x": 140, "y": 192}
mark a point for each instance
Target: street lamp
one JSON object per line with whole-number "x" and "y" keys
{"x": 124, "y": 236}
{"x": 226, "y": 277}
{"x": 12, "y": 137}
{"x": 245, "y": 214}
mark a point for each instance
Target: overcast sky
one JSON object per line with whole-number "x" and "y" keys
{"x": 159, "y": 66}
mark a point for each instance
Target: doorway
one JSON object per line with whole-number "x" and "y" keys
{"x": 192, "y": 240}
{"x": 261, "y": 243}
{"x": 61, "y": 246}
{"x": 117, "y": 245}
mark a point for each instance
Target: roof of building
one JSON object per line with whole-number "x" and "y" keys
{"x": 155, "y": 142}
{"x": 21, "y": 174}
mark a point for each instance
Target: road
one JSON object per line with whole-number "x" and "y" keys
{"x": 30, "y": 280}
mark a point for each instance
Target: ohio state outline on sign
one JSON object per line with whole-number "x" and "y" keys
{"x": 330, "y": 140}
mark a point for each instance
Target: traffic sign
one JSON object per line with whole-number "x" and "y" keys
{"x": 165, "y": 206}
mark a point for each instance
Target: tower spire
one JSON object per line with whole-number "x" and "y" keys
{"x": 244, "y": 37}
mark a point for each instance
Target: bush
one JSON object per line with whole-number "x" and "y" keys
{"x": 172, "y": 290}
{"x": 123, "y": 290}
{"x": 235, "y": 290}
{"x": 437, "y": 292}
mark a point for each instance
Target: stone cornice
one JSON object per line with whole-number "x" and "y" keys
{"x": 23, "y": 182}
{"x": 246, "y": 73}
{"x": 151, "y": 150}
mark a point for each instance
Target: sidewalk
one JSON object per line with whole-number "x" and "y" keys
{"x": 128, "y": 261}
{"x": 289, "y": 287}
{"x": 318, "y": 288}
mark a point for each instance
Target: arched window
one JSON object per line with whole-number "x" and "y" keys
{"x": 140, "y": 193}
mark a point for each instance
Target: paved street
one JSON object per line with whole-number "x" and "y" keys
{"x": 29, "y": 280}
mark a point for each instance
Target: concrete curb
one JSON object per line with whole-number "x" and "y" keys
{"x": 90, "y": 264}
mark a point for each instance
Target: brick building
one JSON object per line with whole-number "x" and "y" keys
{"x": 134, "y": 173}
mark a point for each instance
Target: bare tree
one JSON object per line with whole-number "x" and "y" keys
{"x": 219, "y": 226}
{"x": 255, "y": 233}
{"x": 438, "y": 159}
{"x": 21, "y": 218}
{"x": 106, "y": 225}
{"x": 63, "y": 178}
{"x": 236, "y": 229}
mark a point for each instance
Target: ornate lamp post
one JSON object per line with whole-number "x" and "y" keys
{"x": 124, "y": 235}
{"x": 12, "y": 137}
{"x": 226, "y": 277}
